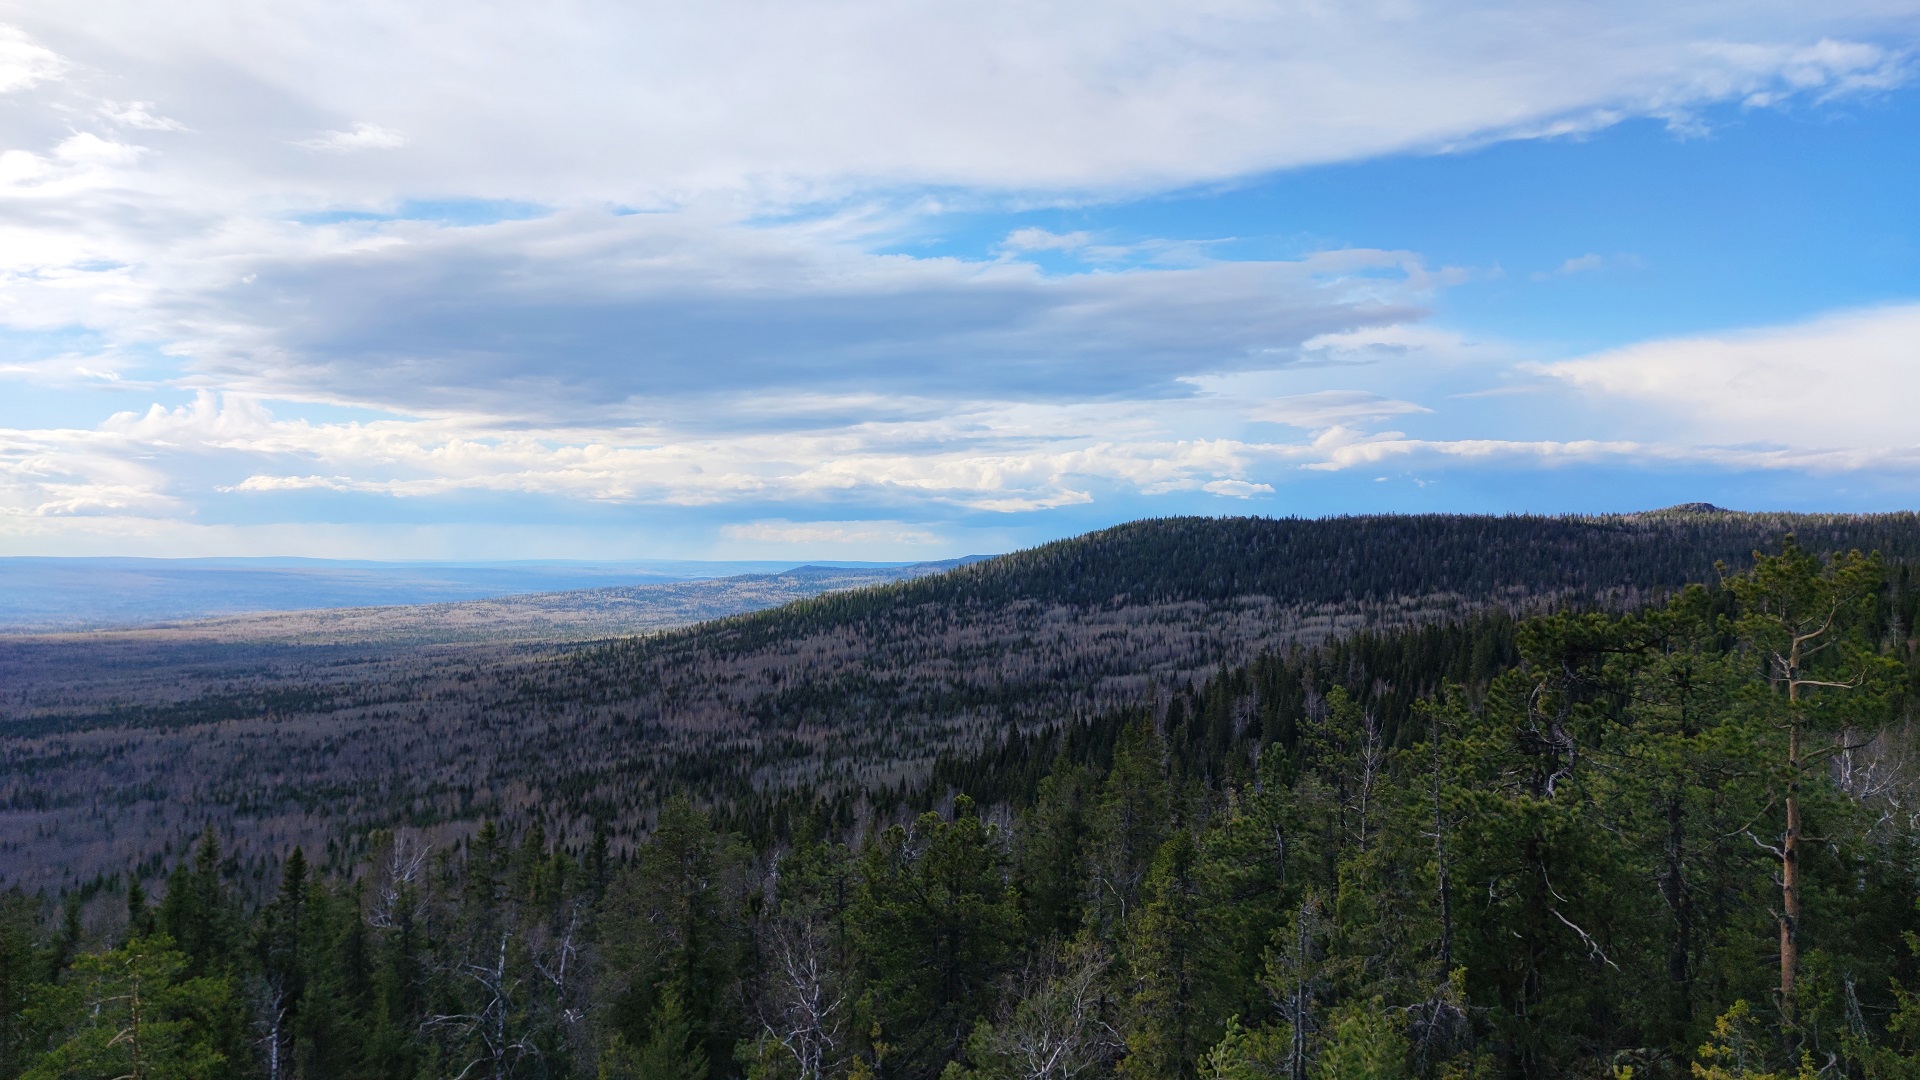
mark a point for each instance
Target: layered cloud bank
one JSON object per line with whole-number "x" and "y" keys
{"x": 295, "y": 264}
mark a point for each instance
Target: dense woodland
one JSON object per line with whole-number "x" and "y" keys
{"x": 120, "y": 751}
{"x": 1679, "y": 840}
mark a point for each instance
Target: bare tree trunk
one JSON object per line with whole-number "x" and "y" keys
{"x": 1442, "y": 878}
{"x": 1680, "y": 900}
{"x": 1790, "y": 870}
{"x": 1370, "y": 755}
{"x": 133, "y": 1031}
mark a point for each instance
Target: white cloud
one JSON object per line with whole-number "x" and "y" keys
{"x": 1338, "y": 449}
{"x": 1579, "y": 264}
{"x": 1843, "y": 382}
{"x": 1236, "y": 489}
{"x": 651, "y": 102}
{"x": 361, "y": 136}
{"x": 1327, "y": 408}
{"x": 992, "y": 459}
{"x": 138, "y": 114}
{"x": 1036, "y": 239}
{"x": 86, "y": 148}
{"x": 1395, "y": 340}
{"x": 863, "y": 534}
{"x": 24, "y": 61}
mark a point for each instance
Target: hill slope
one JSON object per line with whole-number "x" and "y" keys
{"x": 113, "y": 752}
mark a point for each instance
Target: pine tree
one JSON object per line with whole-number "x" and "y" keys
{"x": 140, "y": 916}
{"x": 1165, "y": 1033}
{"x": 1808, "y": 623}
{"x": 675, "y": 921}
{"x": 24, "y": 970}
{"x": 1129, "y": 824}
{"x": 135, "y": 1012}
{"x": 936, "y": 924}
{"x": 197, "y": 913}
{"x": 1050, "y": 862}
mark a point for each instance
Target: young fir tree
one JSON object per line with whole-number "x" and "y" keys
{"x": 1130, "y": 822}
{"x": 199, "y": 914}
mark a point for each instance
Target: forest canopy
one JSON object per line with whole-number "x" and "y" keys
{"x": 1678, "y": 841}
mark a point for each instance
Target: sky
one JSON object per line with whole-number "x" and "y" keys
{"x": 882, "y": 280}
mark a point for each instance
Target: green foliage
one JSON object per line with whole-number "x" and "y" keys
{"x": 1736, "y": 1051}
{"x": 1242, "y": 1054}
{"x": 135, "y": 1012}
{"x": 198, "y": 914}
{"x": 672, "y": 1050}
{"x": 1168, "y": 987}
{"x": 1365, "y": 1044}
{"x": 674, "y": 923}
{"x": 936, "y": 922}
{"x": 25, "y": 965}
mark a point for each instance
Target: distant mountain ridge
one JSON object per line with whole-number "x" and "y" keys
{"x": 571, "y": 615}
{"x": 251, "y": 595}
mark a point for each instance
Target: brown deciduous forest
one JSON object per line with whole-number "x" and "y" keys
{"x": 1185, "y": 800}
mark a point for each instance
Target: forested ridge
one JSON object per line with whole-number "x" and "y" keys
{"x": 1363, "y": 559}
{"x": 119, "y": 751}
{"x": 1676, "y": 840}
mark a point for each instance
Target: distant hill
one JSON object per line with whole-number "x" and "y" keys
{"x": 859, "y": 690}
{"x": 1372, "y": 560}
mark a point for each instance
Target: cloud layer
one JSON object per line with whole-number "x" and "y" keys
{"x": 600, "y": 99}
{"x": 665, "y": 255}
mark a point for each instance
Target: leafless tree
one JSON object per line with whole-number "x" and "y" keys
{"x": 398, "y": 875}
{"x": 501, "y": 1043}
{"x": 804, "y": 1009}
{"x": 1060, "y": 1029}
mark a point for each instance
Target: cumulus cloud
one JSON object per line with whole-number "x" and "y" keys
{"x": 991, "y": 459}
{"x": 1845, "y": 381}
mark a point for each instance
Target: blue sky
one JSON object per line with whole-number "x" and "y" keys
{"x": 849, "y": 280}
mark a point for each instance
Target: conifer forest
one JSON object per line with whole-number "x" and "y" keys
{"x": 1189, "y": 799}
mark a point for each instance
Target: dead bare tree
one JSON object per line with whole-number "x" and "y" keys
{"x": 1372, "y": 761}
{"x": 501, "y": 1043}
{"x": 1060, "y": 1029}
{"x": 804, "y": 1008}
{"x": 396, "y": 884}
